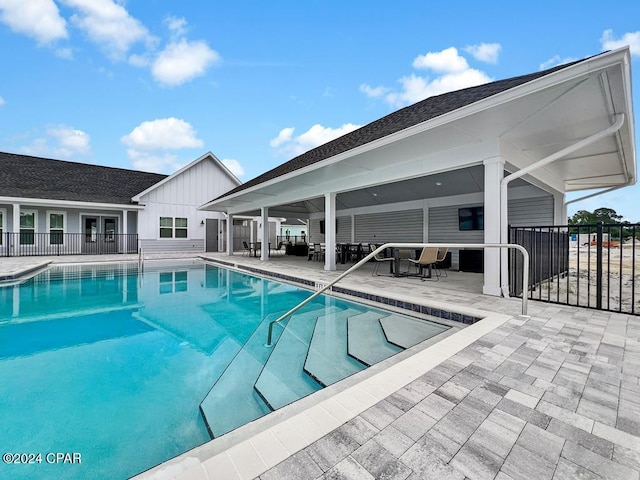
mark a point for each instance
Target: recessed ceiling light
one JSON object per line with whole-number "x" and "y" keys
{"x": 438, "y": 183}
{"x": 374, "y": 194}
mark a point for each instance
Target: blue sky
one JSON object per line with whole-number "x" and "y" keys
{"x": 154, "y": 84}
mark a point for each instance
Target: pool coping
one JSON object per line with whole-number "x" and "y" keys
{"x": 254, "y": 448}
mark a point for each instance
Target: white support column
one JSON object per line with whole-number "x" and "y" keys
{"x": 264, "y": 234}
{"x": 124, "y": 229}
{"x": 16, "y": 229}
{"x": 493, "y": 174}
{"x": 330, "y": 231}
{"x": 229, "y": 234}
{"x": 559, "y": 209}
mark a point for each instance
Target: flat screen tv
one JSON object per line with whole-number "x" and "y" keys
{"x": 322, "y": 226}
{"x": 471, "y": 218}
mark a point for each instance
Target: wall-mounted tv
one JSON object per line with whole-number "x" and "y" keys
{"x": 471, "y": 218}
{"x": 322, "y": 226}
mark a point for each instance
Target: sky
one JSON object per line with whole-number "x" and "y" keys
{"x": 154, "y": 84}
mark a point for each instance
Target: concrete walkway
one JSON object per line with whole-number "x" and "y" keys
{"x": 552, "y": 396}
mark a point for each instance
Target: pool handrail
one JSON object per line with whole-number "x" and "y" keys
{"x": 525, "y": 273}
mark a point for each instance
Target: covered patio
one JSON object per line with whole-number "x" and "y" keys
{"x": 510, "y": 149}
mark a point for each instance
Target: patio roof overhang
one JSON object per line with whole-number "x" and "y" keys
{"x": 522, "y": 125}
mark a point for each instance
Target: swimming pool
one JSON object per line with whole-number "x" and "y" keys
{"x": 127, "y": 371}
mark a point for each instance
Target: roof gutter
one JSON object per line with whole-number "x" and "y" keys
{"x": 504, "y": 218}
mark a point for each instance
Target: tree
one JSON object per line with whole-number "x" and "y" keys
{"x": 599, "y": 215}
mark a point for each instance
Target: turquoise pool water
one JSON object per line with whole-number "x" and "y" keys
{"x": 111, "y": 367}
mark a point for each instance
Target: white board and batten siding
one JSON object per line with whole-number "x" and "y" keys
{"x": 179, "y": 197}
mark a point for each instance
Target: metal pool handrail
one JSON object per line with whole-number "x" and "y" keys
{"x": 525, "y": 273}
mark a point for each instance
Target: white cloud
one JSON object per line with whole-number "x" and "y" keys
{"x": 177, "y": 26}
{"x": 373, "y": 92}
{"x": 150, "y": 142}
{"x": 556, "y": 60}
{"x": 64, "y": 53}
{"x": 234, "y": 166}
{"x": 150, "y": 162}
{"x": 163, "y": 134}
{"x": 60, "y": 141}
{"x": 453, "y": 73}
{"x": 446, "y": 61}
{"x": 609, "y": 42}
{"x": 484, "y": 52}
{"x": 39, "y": 19}
{"x": 284, "y": 136}
{"x": 1, "y": 101}
{"x": 291, "y": 146}
{"x": 109, "y": 25}
{"x": 182, "y": 61}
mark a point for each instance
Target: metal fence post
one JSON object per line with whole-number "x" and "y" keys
{"x": 599, "y": 266}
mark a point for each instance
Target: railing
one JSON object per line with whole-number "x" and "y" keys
{"x": 593, "y": 266}
{"x": 140, "y": 260}
{"x": 28, "y": 243}
{"x": 525, "y": 273}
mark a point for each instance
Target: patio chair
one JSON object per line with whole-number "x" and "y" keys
{"x": 318, "y": 252}
{"x": 427, "y": 259}
{"x": 442, "y": 254}
{"x": 379, "y": 259}
{"x": 245, "y": 248}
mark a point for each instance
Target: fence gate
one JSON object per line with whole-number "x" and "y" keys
{"x": 594, "y": 266}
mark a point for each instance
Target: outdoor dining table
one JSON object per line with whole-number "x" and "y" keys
{"x": 395, "y": 266}
{"x": 254, "y": 247}
{"x": 347, "y": 249}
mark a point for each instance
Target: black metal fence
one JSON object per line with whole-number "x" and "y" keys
{"x": 594, "y": 266}
{"x": 37, "y": 244}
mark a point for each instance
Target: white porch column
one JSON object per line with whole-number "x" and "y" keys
{"x": 124, "y": 229}
{"x": 329, "y": 231}
{"x": 493, "y": 174}
{"x": 559, "y": 209}
{"x": 229, "y": 234}
{"x": 16, "y": 229}
{"x": 264, "y": 237}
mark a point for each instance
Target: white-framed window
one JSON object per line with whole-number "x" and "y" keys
{"x": 28, "y": 221}
{"x": 3, "y": 216}
{"x": 166, "y": 227}
{"x": 174, "y": 227}
{"x": 181, "y": 228}
{"x": 56, "y": 226}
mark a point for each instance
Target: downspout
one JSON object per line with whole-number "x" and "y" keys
{"x": 504, "y": 217}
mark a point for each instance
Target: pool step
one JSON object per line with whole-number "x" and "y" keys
{"x": 232, "y": 402}
{"x": 327, "y": 359}
{"x": 283, "y": 379}
{"x": 406, "y": 332}
{"x": 367, "y": 341}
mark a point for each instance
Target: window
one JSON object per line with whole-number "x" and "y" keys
{"x": 56, "y": 228}
{"x": 173, "y": 228}
{"x": 27, "y": 227}
{"x": 166, "y": 227}
{"x": 181, "y": 228}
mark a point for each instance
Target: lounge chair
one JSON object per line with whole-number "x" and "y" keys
{"x": 428, "y": 258}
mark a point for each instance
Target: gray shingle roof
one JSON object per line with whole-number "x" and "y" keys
{"x": 394, "y": 122}
{"x": 35, "y": 177}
